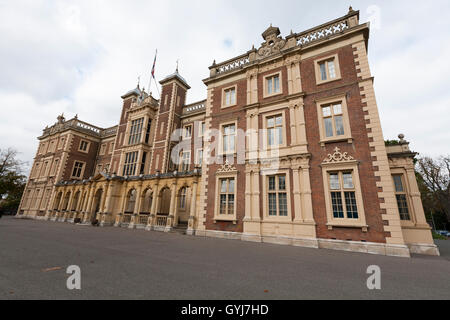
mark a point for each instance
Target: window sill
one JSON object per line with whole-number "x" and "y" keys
{"x": 272, "y": 95}
{"x": 277, "y": 219}
{"x": 328, "y": 81}
{"x": 225, "y": 219}
{"x": 225, "y": 106}
{"x": 347, "y": 224}
{"x": 334, "y": 140}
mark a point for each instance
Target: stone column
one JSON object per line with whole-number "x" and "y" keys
{"x": 104, "y": 209}
{"x": 248, "y": 195}
{"x": 137, "y": 207}
{"x": 122, "y": 206}
{"x": 192, "y": 211}
{"x": 292, "y": 115}
{"x": 255, "y": 196}
{"x": 89, "y": 204}
{"x": 170, "y": 219}
{"x": 306, "y": 195}
{"x": 69, "y": 206}
{"x": 52, "y": 204}
{"x": 297, "y": 195}
{"x": 153, "y": 213}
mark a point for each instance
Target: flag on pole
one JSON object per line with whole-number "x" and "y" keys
{"x": 154, "y": 63}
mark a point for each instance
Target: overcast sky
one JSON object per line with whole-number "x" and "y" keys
{"x": 79, "y": 57}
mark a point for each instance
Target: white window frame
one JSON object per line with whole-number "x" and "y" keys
{"x": 347, "y": 136}
{"x": 351, "y": 166}
{"x": 182, "y": 161}
{"x": 265, "y": 185}
{"x": 81, "y": 172}
{"x": 222, "y": 128}
{"x": 318, "y": 62}
{"x": 266, "y": 131}
{"x": 225, "y": 103}
{"x": 88, "y": 145}
{"x": 266, "y": 93}
{"x": 217, "y": 215}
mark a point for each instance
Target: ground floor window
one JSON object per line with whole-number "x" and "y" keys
{"x": 226, "y": 196}
{"x": 400, "y": 194}
{"x": 277, "y": 195}
{"x": 343, "y": 195}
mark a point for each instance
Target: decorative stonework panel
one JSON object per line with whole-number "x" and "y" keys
{"x": 338, "y": 157}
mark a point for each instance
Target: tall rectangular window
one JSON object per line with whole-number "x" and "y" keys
{"x": 229, "y": 138}
{"x": 400, "y": 194}
{"x": 275, "y": 130}
{"x": 333, "y": 120}
{"x": 226, "y": 196}
{"x": 147, "y": 132}
{"x": 136, "y": 131}
{"x": 185, "y": 161}
{"x": 187, "y": 132}
{"x": 55, "y": 167}
{"x": 343, "y": 195}
{"x": 84, "y": 146}
{"x": 230, "y": 96}
{"x": 201, "y": 129}
{"x": 144, "y": 159}
{"x": 199, "y": 161}
{"x": 277, "y": 196}
{"x": 129, "y": 168}
{"x": 327, "y": 70}
{"x": 77, "y": 169}
{"x": 273, "y": 84}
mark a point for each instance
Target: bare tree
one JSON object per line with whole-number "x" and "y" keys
{"x": 12, "y": 181}
{"x": 436, "y": 177}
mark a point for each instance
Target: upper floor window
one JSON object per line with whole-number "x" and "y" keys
{"x": 201, "y": 130}
{"x": 136, "y": 131}
{"x": 229, "y": 138}
{"x": 199, "y": 161}
{"x": 129, "y": 168}
{"x": 77, "y": 169}
{"x": 275, "y": 130}
{"x": 147, "y": 132}
{"x": 273, "y": 84}
{"x": 229, "y": 96}
{"x": 84, "y": 146}
{"x": 277, "y": 196}
{"x": 333, "y": 120}
{"x": 334, "y": 123}
{"x": 327, "y": 69}
{"x": 36, "y": 170}
{"x": 187, "y": 132}
{"x": 185, "y": 161}
{"x": 400, "y": 194}
{"x": 61, "y": 143}
{"x": 343, "y": 195}
{"x": 102, "y": 149}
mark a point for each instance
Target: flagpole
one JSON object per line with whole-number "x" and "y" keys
{"x": 152, "y": 75}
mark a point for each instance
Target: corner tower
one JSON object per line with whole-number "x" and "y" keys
{"x": 173, "y": 98}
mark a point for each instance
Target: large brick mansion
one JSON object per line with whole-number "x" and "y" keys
{"x": 287, "y": 148}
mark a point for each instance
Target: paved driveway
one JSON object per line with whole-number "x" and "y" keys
{"x": 135, "y": 264}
